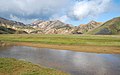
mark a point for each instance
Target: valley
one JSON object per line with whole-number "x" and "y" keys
{"x": 97, "y": 39}
{"x": 59, "y": 37}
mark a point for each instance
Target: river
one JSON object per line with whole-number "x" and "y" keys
{"x": 75, "y": 63}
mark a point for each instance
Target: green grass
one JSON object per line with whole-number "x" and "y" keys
{"x": 10, "y": 66}
{"x": 97, "y": 40}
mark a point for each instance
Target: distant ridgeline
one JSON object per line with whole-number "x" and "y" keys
{"x": 57, "y": 27}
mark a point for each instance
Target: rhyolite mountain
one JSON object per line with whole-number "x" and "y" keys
{"x": 5, "y": 30}
{"x": 111, "y": 27}
{"x": 84, "y": 28}
{"x": 37, "y": 27}
{"x": 12, "y": 27}
{"x": 58, "y": 27}
{"x": 53, "y": 27}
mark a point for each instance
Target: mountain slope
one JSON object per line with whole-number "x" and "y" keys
{"x": 5, "y": 22}
{"x": 84, "y": 28}
{"x": 4, "y": 30}
{"x": 53, "y": 27}
{"x": 11, "y": 27}
{"x": 110, "y": 27}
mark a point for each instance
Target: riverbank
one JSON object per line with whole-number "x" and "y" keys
{"x": 81, "y": 43}
{"x": 10, "y": 66}
{"x": 4, "y": 44}
{"x": 80, "y": 48}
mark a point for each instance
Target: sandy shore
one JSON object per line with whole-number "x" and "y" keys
{"x": 80, "y": 48}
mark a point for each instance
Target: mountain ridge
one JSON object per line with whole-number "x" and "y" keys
{"x": 58, "y": 27}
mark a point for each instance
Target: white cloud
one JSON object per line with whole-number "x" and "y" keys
{"x": 64, "y": 10}
{"x": 32, "y": 8}
{"x": 63, "y": 18}
{"x": 89, "y": 8}
{"x": 26, "y": 21}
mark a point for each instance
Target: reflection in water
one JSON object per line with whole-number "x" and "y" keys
{"x": 76, "y": 63}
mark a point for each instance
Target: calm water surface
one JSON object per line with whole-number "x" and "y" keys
{"x": 75, "y": 63}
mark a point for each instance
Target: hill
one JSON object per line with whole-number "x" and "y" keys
{"x": 53, "y": 27}
{"x": 111, "y": 27}
{"x": 84, "y": 28}
{"x": 12, "y": 27}
{"x": 4, "y": 30}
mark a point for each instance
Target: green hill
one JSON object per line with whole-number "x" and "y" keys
{"x": 4, "y": 30}
{"x": 111, "y": 27}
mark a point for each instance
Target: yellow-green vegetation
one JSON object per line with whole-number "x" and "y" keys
{"x": 111, "y": 27}
{"x": 81, "y": 43}
{"x": 95, "y": 40}
{"x": 10, "y": 66}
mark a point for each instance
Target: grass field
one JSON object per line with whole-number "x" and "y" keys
{"x": 103, "y": 40}
{"x": 10, "y": 66}
{"x": 81, "y": 43}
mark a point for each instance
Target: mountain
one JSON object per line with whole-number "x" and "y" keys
{"x": 53, "y": 27}
{"x": 5, "y": 22}
{"x": 110, "y": 27}
{"x": 37, "y": 27}
{"x": 4, "y": 30}
{"x": 84, "y": 28}
{"x": 9, "y": 26}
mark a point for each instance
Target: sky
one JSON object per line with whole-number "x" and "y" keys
{"x": 73, "y": 12}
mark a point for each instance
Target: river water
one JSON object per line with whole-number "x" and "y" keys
{"x": 75, "y": 63}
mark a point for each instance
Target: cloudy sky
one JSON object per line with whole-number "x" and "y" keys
{"x": 74, "y": 12}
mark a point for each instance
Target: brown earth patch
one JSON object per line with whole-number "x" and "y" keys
{"x": 78, "y": 48}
